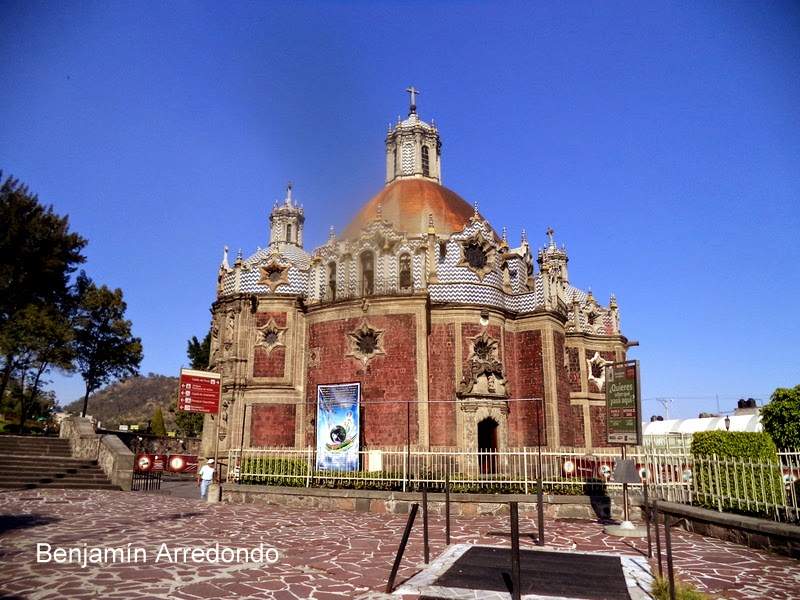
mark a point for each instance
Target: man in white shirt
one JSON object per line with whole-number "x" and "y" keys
{"x": 204, "y": 478}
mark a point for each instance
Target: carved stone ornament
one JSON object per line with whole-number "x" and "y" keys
{"x": 273, "y": 275}
{"x": 478, "y": 255}
{"x": 270, "y": 336}
{"x": 366, "y": 343}
{"x": 485, "y": 372}
{"x": 597, "y": 370}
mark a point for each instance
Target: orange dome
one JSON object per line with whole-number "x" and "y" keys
{"x": 406, "y": 204}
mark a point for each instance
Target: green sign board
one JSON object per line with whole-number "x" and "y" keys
{"x": 623, "y": 403}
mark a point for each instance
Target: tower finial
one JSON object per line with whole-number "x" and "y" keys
{"x": 331, "y": 233}
{"x": 505, "y": 235}
{"x": 475, "y": 210}
{"x": 524, "y": 236}
{"x": 550, "y": 233}
{"x": 225, "y": 257}
{"x": 412, "y": 91}
{"x": 288, "y": 193}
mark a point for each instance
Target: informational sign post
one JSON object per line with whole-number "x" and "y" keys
{"x": 338, "y": 426}
{"x": 623, "y": 403}
{"x": 199, "y": 391}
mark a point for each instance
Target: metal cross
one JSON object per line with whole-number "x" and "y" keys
{"x": 550, "y": 233}
{"x": 413, "y": 93}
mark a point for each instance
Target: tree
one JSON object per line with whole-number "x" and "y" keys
{"x": 157, "y": 423}
{"x": 43, "y": 338}
{"x": 104, "y": 346}
{"x": 199, "y": 352}
{"x": 38, "y": 255}
{"x": 781, "y": 417}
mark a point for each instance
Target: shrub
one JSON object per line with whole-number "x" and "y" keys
{"x": 683, "y": 591}
{"x": 781, "y": 417}
{"x": 753, "y": 479}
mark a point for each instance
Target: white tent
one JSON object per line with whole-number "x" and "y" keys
{"x": 689, "y": 426}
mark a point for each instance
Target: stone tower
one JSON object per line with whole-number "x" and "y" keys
{"x": 413, "y": 148}
{"x": 286, "y": 222}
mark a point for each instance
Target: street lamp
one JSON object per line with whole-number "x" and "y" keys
{"x": 727, "y": 423}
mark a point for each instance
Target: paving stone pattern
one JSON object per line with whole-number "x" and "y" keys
{"x": 325, "y": 555}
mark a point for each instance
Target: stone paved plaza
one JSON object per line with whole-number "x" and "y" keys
{"x": 325, "y": 556}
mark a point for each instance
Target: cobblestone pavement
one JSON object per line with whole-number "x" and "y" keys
{"x": 324, "y": 555}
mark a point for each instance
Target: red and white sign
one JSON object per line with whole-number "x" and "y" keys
{"x": 182, "y": 463}
{"x": 200, "y": 391}
{"x": 149, "y": 463}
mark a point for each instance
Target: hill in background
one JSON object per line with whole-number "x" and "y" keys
{"x": 132, "y": 401}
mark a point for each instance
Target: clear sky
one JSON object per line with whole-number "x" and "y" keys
{"x": 661, "y": 141}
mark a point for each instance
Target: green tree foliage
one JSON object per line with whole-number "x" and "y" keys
{"x": 199, "y": 352}
{"x": 38, "y": 254}
{"x": 157, "y": 423}
{"x": 104, "y": 345}
{"x": 190, "y": 423}
{"x": 781, "y": 417}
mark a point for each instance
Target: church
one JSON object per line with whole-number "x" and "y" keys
{"x": 457, "y": 336}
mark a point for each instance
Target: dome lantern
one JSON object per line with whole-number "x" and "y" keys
{"x": 413, "y": 147}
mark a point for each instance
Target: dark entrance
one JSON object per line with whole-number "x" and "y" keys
{"x": 487, "y": 446}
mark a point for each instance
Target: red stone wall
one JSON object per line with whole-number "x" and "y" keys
{"x": 579, "y": 437}
{"x": 441, "y": 385}
{"x": 270, "y": 364}
{"x": 574, "y": 369}
{"x": 597, "y": 416}
{"x": 563, "y": 387}
{"x": 526, "y": 380}
{"x": 387, "y": 378}
{"x": 272, "y": 425}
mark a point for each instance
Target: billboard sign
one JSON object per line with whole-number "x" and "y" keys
{"x": 623, "y": 403}
{"x": 338, "y": 426}
{"x": 149, "y": 463}
{"x": 200, "y": 391}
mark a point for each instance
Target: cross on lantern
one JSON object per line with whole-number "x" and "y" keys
{"x": 412, "y": 91}
{"x": 550, "y": 233}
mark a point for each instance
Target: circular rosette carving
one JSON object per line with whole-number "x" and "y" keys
{"x": 365, "y": 343}
{"x": 478, "y": 255}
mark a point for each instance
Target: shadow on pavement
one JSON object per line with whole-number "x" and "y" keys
{"x": 12, "y": 522}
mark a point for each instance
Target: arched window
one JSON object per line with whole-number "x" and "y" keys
{"x": 332, "y": 280}
{"x": 367, "y": 273}
{"x": 288, "y": 232}
{"x": 406, "y": 281}
{"x": 426, "y": 170}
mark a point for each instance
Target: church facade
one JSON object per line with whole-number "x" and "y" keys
{"x": 458, "y": 337}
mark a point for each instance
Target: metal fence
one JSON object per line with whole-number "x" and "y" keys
{"x": 515, "y": 470}
{"x": 749, "y": 486}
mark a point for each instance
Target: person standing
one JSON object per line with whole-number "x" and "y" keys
{"x": 204, "y": 478}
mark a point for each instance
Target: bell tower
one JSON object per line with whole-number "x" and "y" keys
{"x": 413, "y": 147}
{"x": 286, "y": 221}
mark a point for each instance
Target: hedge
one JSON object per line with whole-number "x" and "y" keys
{"x": 762, "y": 482}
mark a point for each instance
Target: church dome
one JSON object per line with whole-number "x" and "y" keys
{"x": 406, "y": 204}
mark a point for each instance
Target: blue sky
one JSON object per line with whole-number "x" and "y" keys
{"x": 661, "y": 141}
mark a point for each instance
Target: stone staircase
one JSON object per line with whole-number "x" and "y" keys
{"x": 45, "y": 462}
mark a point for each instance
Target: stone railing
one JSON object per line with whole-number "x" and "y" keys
{"x": 111, "y": 454}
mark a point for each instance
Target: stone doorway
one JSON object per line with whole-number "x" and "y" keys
{"x": 487, "y": 445}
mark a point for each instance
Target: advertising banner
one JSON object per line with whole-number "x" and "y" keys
{"x": 623, "y": 403}
{"x": 199, "y": 391}
{"x": 338, "y": 426}
{"x": 182, "y": 463}
{"x": 149, "y": 463}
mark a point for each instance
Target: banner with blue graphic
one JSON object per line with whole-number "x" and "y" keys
{"x": 338, "y": 426}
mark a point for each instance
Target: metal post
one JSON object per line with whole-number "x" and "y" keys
{"x": 540, "y": 490}
{"x": 447, "y": 504}
{"x": 425, "y": 525}
{"x": 515, "y": 578}
{"x": 408, "y": 445}
{"x": 409, "y": 524}
{"x": 658, "y": 539}
{"x": 625, "y": 517}
{"x": 670, "y": 570}
{"x": 647, "y": 519}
